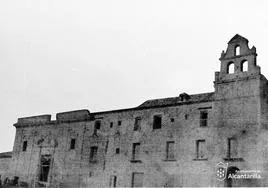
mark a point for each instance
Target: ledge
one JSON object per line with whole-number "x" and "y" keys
{"x": 169, "y": 160}
{"x": 135, "y": 161}
{"x": 234, "y": 159}
{"x": 205, "y": 159}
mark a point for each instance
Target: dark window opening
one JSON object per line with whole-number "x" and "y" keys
{"x": 136, "y": 151}
{"x": 170, "y": 152}
{"x": 200, "y": 149}
{"x": 203, "y": 118}
{"x": 186, "y": 116}
{"x": 44, "y": 167}
{"x": 137, "y": 179}
{"x": 157, "y": 123}
{"x": 137, "y": 124}
{"x": 119, "y": 123}
{"x": 113, "y": 180}
{"x": 172, "y": 120}
{"x": 24, "y": 146}
{"x": 93, "y": 153}
{"x": 111, "y": 124}
{"x": 72, "y": 145}
{"x": 97, "y": 125}
{"x": 117, "y": 150}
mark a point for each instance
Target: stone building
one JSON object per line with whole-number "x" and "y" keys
{"x": 180, "y": 141}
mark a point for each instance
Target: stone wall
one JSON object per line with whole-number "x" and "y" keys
{"x": 96, "y": 149}
{"x": 5, "y": 162}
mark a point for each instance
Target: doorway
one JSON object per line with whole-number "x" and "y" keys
{"x": 44, "y": 167}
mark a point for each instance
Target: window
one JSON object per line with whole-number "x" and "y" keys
{"x": 24, "y": 146}
{"x": 113, "y": 180}
{"x": 97, "y": 125}
{"x": 137, "y": 179}
{"x": 44, "y": 167}
{"x": 117, "y": 150}
{"x": 203, "y": 118}
{"x": 111, "y": 124}
{"x": 244, "y": 66}
{"x": 119, "y": 123}
{"x": 136, "y": 151}
{"x": 237, "y": 50}
{"x": 93, "y": 153}
{"x": 157, "y": 123}
{"x": 72, "y": 145}
{"x": 232, "y": 148}
{"x": 186, "y": 116}
{"x": 201, "y": 149}
{"x": 137, "y": 124}
{"x": 230, "y": 68}
{"x": 170, "y": 154}
{"x": 172, "y": 120}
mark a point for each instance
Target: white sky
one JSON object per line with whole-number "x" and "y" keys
{"x": 61, "y": 55}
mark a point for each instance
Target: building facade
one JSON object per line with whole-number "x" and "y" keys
{"x": 171, "y": 142}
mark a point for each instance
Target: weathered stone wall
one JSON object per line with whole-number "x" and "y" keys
{"x": 157, "y": 171}
{"x": 73, "y": 166}
{"x": 236, "y": 110}
{"x": 5, "y": 162}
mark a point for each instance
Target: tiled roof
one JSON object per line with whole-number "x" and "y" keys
{"x": 203, "y": 97}
{"x": 6, "y": 154}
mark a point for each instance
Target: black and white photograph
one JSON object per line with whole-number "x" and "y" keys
{"x": 133, "y": 93}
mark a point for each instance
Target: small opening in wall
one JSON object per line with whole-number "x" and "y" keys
{"x": 230, "y": 68}
{"x": 157, "y": 122}
{"x": 135, "y": 151}
{"x": 117, "y": 150}
{"x": 44, "y": 167}
{"x": 203, "y": 118}
{"x": 72, "y": 145}
{"x": 93, "y": 153}
{"x": 24, "y": 147}
{"x": 237, "y": 50}
{"x": 170, "y": 150}
{"x": 200, "y": 149}
{"x": 172, "y": 120}
{"x": 111, "y": 124}
{"x": 119, "y": 123}
{"x": 97, "y": 125}
{"x": 244, "y": 66}
{"x": 137, "y": 124}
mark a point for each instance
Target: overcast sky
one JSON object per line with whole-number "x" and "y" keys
{"x": 62, "y": 55}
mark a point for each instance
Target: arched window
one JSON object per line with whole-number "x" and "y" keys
{"x": 237, "y": 50}
{"x": 230, "y": 68}
{"x": 244, "y": 66}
